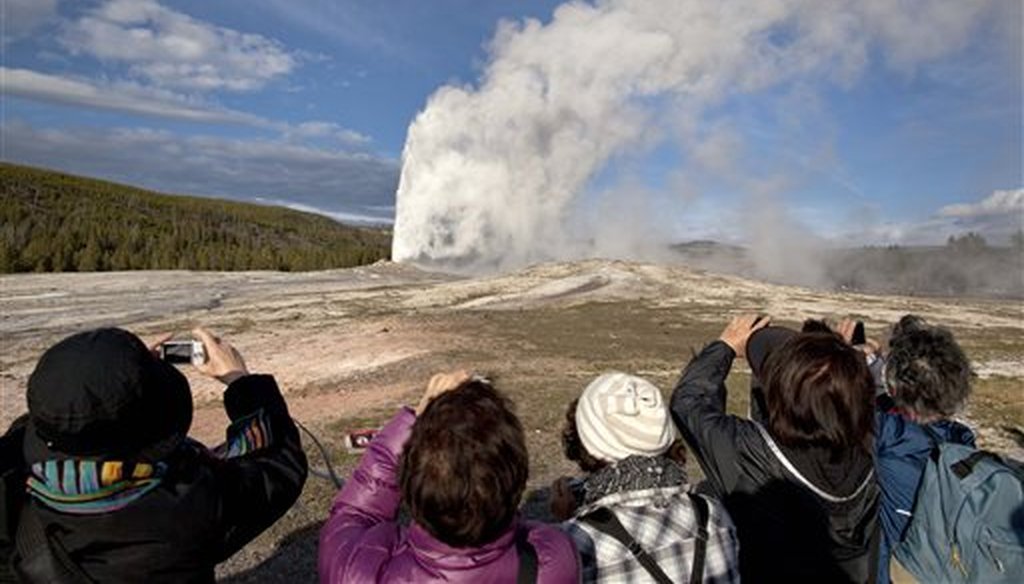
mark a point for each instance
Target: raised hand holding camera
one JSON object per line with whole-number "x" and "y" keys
{"x": 738, "y": 332}
{"x": 177, "y": 352}
{"x": 223, "y": 361}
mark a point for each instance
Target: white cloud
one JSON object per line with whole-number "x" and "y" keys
{"x": 328, "y": 130}
{"x": 998, "y": 203}
{"x": 331, "y": 180}
{"x": 996, "y": 217}
{"x": 122, "y": 97}
{"x": 22, "y": 17}
{"x": 342, "y": 217}
{"x": 132, "y": 98}
{"x": 171, "y": 49}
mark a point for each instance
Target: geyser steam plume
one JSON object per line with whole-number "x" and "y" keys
{"x": 493, "y": 174}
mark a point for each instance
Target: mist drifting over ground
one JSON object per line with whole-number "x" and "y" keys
{"x": 507, "y": 172}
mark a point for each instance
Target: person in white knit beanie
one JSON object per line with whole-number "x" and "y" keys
{"x": 633, "y": 516}
{"x": 620, "y": 415}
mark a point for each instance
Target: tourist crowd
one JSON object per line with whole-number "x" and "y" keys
{"x": 848, "y": 463}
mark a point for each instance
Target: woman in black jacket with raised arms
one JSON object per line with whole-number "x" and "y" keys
{"x": 798, "y": 482}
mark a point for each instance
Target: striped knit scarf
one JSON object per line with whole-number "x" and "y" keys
{"x": 87, "y": 487}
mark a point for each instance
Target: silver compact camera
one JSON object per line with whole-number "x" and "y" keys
{"x": 177, "y": 352}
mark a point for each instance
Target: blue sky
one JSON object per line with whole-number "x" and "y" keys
{"x": 307, "y": 103}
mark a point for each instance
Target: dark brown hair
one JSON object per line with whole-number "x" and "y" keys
{"x": 572, "y": 445}
{"x": 574, "y": 450}
{"x": 465, "y": 466}
{"x": 819, "y": 391}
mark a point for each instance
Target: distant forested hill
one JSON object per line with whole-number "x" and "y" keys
{"x": 52, "y": 222}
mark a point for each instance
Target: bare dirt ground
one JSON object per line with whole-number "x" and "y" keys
{"x": 349, "y": 346}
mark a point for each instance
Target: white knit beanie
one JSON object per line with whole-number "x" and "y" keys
{"x": 619, "y": 415}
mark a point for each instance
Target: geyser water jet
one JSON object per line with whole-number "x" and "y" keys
{"x": 493, "y": 173}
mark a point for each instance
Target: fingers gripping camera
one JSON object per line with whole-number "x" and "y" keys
{"x": 183, "y": 352}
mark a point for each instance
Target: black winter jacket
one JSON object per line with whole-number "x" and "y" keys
{"x": 787, "y": 531}
{"x": 205, "y": 509}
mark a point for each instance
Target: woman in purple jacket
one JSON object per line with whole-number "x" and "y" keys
{"x": 459, "y": 464}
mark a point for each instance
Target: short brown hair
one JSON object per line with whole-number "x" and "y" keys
{"x": 464, "y": 468}
{"x": 819, "y": 391}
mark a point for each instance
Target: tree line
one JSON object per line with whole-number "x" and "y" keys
{"x": 966, "y": 265}
{"x": 54, "y": 222}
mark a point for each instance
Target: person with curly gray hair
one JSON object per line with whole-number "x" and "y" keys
{"x": 927, "y": 374}
{"x": 927, "y": 379}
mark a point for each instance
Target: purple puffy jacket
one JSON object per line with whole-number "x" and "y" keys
{"x": 363, "y": 542}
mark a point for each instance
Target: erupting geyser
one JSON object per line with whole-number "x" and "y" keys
{"x": 493, "y": 174}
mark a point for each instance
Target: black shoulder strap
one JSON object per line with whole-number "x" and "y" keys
{"x": 527, "y": 558}
{"x": 12, "y": 481}
{"x": 12, "y": 489}
{"x": 603, "y": 520}
{"x": 875, "y": 545}
{"x": 40, "y": 555}
{"x": 965, "y": 467}
{"x": 700, "y": 548}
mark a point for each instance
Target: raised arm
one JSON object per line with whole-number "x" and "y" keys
{"x": 264, "y": 467}
{"x": 698, "y": 404}
{"x": 370, "y": 499}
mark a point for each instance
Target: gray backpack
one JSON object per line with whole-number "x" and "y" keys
{"x": 968, "y": 521}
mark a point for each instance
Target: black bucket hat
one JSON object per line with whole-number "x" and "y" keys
{"x": 762, "y": 343}
{"x": 102, "y": 393}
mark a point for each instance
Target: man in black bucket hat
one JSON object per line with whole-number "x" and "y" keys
{"x": 116, "y": 490}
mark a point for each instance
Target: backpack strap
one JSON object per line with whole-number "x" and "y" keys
{"x": 700, "y": 548}
{"x": 934, "y": 439}
{"x": 12, "y": 482}
{"x": 875, "y": 547}
{"x": 966, "y": 466}
{"x": 41, "y": 557}
{"x": 527, "y": 558}
{"x": 603, "y": 520}
{"x": 963, "y": 468}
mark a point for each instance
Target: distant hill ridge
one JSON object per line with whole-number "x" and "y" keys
{"x": 56, "y": 222}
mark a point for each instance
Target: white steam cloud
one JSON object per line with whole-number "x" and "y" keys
{"x": 503, "y": 173}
